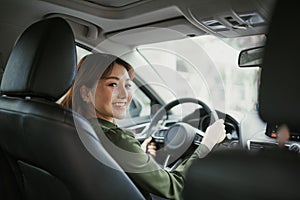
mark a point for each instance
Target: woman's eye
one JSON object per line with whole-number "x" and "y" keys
{"x": 128, "y": 85}
{"x": 113, "y": 85}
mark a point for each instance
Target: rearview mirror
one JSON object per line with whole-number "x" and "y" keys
{"x": 251, "y": 57}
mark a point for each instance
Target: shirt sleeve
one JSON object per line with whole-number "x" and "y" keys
{"x": 143, "y": 170}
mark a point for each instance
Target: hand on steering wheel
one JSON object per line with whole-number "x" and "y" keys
{"x": 179, "y": 137}
{"x": 214, "y": 134}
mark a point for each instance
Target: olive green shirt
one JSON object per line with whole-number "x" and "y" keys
{"x": 142, "y": 169}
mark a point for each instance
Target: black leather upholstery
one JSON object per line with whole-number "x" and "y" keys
{"x": 36, "y": 66}
{"x": 280, "y": 89}
{"x": 50, "y": 157}
{"x": 8, "y": 185}
{"x": 238, "y": 174}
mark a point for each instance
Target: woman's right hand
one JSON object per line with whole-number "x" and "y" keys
{"x": 149, "y": 147}
{"x": 214, "y": 134}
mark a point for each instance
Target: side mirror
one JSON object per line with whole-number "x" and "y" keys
{"x": 251, "y": 57}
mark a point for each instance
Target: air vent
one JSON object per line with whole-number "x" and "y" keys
{"x": 256, "y": 146}
{"x": 214, "y": 24}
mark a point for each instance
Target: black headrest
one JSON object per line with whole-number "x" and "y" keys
{"x": 43, "y": 61}
{"x": 279, "y": 94}
{"x": 240, "y": 174}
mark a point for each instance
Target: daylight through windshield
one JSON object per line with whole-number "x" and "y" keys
{"x": 173, "y": 73}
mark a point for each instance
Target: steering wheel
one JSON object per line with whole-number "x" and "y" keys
{"x": 179, "y": 137}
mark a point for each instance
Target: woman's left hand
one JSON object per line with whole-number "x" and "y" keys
{"x": 149, "y": 147}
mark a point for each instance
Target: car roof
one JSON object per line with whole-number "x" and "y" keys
{"x": 96, "y": 20}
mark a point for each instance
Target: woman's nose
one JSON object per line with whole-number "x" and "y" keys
{"x": 122, "y": 92}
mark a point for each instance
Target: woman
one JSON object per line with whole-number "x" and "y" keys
{"x": 102, "y": 94}
{"x": 92, "y": 74}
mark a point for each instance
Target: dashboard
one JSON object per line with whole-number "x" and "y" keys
{"x": 246, "y": 131}
{"x": 279, "y": 136}
{"x": 201, "y": 122}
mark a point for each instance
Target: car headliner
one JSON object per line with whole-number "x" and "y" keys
{"x": 96, "y": 20}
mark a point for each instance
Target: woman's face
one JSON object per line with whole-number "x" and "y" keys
{"x": 113, "y": 94}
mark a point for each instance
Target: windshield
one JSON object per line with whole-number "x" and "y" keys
{"x": 203, "y": 67}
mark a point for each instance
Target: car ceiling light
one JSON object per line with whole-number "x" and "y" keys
{"x": 252, "y": 18}
{"x": 214, "y": 24}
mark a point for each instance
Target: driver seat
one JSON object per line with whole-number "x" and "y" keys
{"x": 51, "y": 150}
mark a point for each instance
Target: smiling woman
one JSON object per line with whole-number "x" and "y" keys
{"x": 84, "y": 87}
{"x": 116, "y": 94}
{"x": 101, "y": 93}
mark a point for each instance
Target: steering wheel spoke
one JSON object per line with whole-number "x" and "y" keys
{"x": 167, "y": 166}
{"x": 159, "y": 135}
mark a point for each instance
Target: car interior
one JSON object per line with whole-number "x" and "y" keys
{"x": 195, "y": 61}
{"x": 272, "y": 172}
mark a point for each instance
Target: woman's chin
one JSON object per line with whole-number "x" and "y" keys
{"x": 119, "y": 115}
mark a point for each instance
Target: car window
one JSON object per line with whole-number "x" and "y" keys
{"x": 140, "y": 104}
{"x": 81, "y": 52}
{"x": 179, "y": 79}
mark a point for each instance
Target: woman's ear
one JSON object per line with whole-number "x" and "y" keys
{"x": 85, "y": 94}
